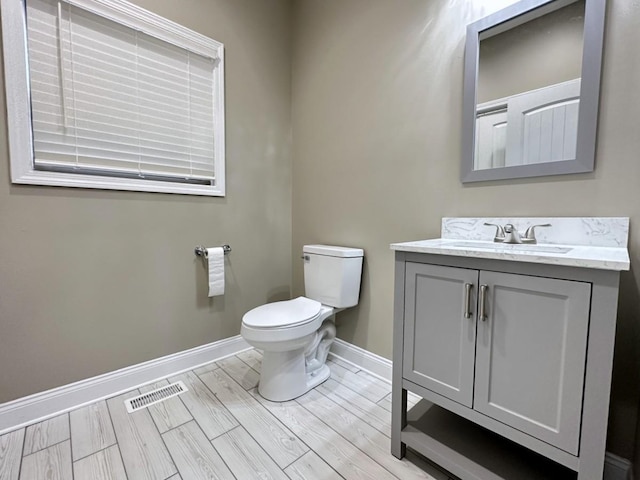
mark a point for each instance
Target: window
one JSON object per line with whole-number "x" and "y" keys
{"x": 104, "y": 94}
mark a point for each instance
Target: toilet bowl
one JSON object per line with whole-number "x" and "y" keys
{"x": 295, "y": 335}
{"x": 283, "y": 331}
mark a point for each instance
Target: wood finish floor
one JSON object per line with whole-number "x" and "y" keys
{"x": 221, "y": 429}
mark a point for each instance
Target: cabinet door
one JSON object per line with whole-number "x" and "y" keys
{"x": 439, "y": 342}
{"x": 530, "y": 355}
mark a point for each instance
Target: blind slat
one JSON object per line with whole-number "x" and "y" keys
{"x": 126, "y": 144}
{"x": 52, "y": 114}
{"x": 120, "y": 70}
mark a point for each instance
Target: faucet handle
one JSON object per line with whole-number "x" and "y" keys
{"x": 530, "y": 234}
{"x": 499, "y": 236}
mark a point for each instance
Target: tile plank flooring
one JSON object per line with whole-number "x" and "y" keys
{"x": 91, "y": 430}
{"x": 222, "y": 429}
{"x": 106, "y": 463}
{"x": 47, "y": 433}
{"x": 11, "y": 446}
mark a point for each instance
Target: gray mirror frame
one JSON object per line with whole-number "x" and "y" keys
{"x": 589, "y": 92}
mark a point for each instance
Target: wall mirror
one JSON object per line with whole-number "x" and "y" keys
{"x": 531, "y": 90}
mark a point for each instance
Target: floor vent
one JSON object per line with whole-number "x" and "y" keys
{"x": 155, "y": 396}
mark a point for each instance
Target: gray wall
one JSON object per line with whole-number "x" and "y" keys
{"x": 536, "y": 54}
{"x": 377, "y": 101}
{"x": 92, "y": 281}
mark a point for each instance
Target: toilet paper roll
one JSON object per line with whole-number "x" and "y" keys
{"x": 215, "y": 260}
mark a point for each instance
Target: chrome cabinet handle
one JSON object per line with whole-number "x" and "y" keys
{"x": 483, "y": 298}
{"x": 467, "y": 299}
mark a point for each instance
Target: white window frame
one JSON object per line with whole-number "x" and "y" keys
{"x": 19, "y": 103}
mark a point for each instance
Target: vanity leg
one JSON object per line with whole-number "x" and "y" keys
{"x": 399, "y": 394}
{"x": 597, "y": 383}
{"x": 398, "y": 421}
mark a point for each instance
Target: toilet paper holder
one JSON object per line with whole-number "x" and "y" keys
{"x": 201, "y": 251}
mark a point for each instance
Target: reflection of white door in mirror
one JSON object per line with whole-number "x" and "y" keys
{"x": 543, "y": 124}
{"x": 491, "y": 138}
{"x": 532, "y": 127}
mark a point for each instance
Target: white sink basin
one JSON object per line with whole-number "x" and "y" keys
{"x": 520, "y": 247}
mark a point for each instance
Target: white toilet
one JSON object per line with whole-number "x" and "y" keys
{"x": 295, "y": 335}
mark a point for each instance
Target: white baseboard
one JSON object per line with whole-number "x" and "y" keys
{"x": 364, "y": 359}
{"x": 615, "y": 467}
{"x": 40, "y": 406}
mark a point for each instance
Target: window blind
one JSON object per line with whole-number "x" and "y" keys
{"x": 109, "y": 99}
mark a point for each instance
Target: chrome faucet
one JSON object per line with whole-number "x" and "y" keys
{"x": 509, "y": 233}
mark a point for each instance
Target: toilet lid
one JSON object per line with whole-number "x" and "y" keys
{"x": 282, "y": 314}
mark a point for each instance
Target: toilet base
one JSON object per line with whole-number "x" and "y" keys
{"x": 317, "y": 377}
{"x": 283, "y": 375}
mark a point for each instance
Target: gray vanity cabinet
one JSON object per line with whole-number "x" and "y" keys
{"x": 526, "y": 345}
{"x": 521, "y": 350}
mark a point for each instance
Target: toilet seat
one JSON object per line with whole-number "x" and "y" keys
{"x": 285, "y": 314}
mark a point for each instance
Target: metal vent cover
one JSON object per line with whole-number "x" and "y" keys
{"x": 158, "y": 395}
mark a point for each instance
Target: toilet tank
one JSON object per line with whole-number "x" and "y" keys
{"x": 332, "y": 274}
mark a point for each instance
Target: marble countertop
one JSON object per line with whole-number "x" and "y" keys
{"x": 585, "y": 256}
{"x": 588, "y": 242}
